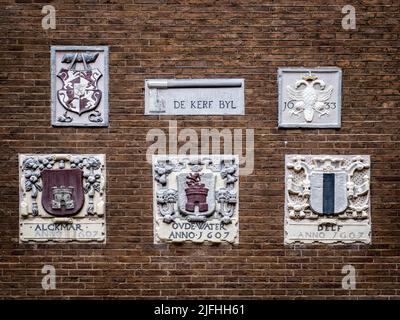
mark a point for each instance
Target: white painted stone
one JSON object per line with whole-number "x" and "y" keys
{"x": 81, "y": 230}
{"x": 306, "y": 223}
{"x": 212, "y": 183}
{"x": 88, "y": 106}
{"x": 86, "y": 223}
{"x": 194, "y": 97}
{"x": 180, "y": 230}
{"x": 348, "y": 232}
{"x": 310, "y": 98}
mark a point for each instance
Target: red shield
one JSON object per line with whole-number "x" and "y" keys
{"x": 62, "y": 194}
{"x": 79, "y": 93}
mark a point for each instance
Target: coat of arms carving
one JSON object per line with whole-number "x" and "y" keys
{"x": 62, "y": 193}
{"x": 196, "y": 198}
{"x": 79, "y": 86}
{"x": 327, "y": 199}
{"x": 62, "y": 197}
{"x": 309, "y": 98}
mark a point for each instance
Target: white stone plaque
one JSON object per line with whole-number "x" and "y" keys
{"x": 327, "y": 199}
{"x": 196, "y": 198}
{"x": 79, "y": 85}
{"x": 310, "y": 98}
{"x": 194, "y": 97}
{"x": 62, "y": 198}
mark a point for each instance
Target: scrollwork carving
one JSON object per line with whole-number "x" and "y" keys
{"x": 166, "y": 200}
{"x": 92, "y": 180}
{"x": 298, "y": 185}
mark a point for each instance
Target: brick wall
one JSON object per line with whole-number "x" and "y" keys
{"x": 188, "y": 38}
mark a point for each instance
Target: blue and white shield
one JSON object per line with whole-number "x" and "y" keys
{"x": 328, "y": 194}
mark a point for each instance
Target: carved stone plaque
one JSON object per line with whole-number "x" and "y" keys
{"x": 62, "y": 198}
{"x": 196, "y": 198}
{"x": 327, "y": 199}
{"x": 79, "y": 85}
{"x": 310, "y": 98}
{"x": 194, "y": 97}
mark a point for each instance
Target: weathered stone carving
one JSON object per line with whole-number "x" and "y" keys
{"x": 195, "y": 198}
{"x": 62, "y": 197}
{"x": 327, "y": 190}
{"x": 309, "y": 98}
{"x": 79, "y": 86}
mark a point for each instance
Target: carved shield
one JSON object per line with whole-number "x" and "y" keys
{"x": 196, "y": 203}
{"x": 328, "y": 192}
{"x": 79, "y": 93}
{"x": 62, "y": 194}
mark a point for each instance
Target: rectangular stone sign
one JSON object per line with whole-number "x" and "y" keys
{"x": 79, "y": 86}
{"x": 196, "y": 198}
{"x": 327, "y": 199}
{"x": 194, "y": 97}
{"x": 62, "y": 198}
{"x": 310, "y": 97}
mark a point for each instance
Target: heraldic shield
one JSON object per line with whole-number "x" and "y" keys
{"x": 328, "y": 192}
{"x": 62, "y": 194}
{"x": 80, "y": 92}
{"x": 196, "y": 196}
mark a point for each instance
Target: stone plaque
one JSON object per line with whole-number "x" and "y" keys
{"x": 194, "y": 97}
{"x": 327, "y": 199}
{"x": 79, "y": 86}
{"x": 62, "y": 198}
{"x": 310, "y": 98}
{"x": 196, "y": 198}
